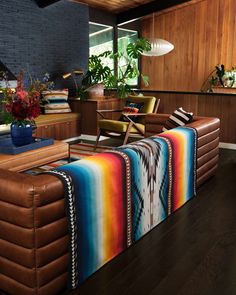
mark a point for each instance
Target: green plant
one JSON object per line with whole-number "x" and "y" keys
{"x": 230, "y": 78}
{"x": 220, "y": 77}
{"x": 98, "y": 72}
{"x": 220, "y": 72}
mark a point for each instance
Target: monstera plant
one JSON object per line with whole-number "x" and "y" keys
{"x": 99, "y": 72}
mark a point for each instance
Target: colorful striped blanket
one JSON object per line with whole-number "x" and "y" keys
{"x": 116, "y": 197}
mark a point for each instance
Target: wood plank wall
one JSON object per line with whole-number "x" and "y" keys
{"x": 203, "y": 33}
{"x": 206, "y": 105}
{"x": 222, "y": 106}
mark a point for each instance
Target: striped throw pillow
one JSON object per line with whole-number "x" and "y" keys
{"x": 55, "y": 101}
{"x": 179, "y": 118}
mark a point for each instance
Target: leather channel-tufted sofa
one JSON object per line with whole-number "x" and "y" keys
{"x": 33, "y": 224}
{"x": 208, "y": 130}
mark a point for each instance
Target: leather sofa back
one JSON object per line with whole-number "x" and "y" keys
{"x": 33, "y": 234}
{"x": 33, "y": 224}
{"x": 208, "y": 130}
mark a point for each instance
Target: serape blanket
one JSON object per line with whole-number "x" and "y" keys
{"x": 116, "y": 197}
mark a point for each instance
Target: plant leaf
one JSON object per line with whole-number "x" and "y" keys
{"x": 145, "y": 79}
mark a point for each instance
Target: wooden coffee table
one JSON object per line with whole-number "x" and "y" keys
{"x": 34, "y": 158}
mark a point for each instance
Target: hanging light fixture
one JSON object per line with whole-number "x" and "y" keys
{"x": 158, "y": 46}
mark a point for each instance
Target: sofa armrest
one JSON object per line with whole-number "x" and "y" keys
{"x": 20, "y": 189}
{"x": 154, "y": 124}
{"x": 33, "y": 234}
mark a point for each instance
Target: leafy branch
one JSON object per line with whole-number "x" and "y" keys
{"x": 100, "y": 73}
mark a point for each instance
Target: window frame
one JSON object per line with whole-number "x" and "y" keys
{"x": 116, "y": 29}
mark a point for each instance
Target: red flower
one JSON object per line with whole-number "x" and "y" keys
{"x": 19, "y": 110}
{"x": 34, "y": 110}
{"x": 23, "y": 104}
{"x": 22, "y": 94}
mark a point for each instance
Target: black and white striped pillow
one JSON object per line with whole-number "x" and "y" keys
{"x": 179, "y": 118}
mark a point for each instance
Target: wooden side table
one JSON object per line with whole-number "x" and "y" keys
{"x": 89, "y": 117}
{"x": 34, "y": 158}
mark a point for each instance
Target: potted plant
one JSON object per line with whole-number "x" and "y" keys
{"x": 97, "y": 76}
{"x": 101, "y": 74}
{"x": 220, "y": 80}
{"x": 223, "y": 81}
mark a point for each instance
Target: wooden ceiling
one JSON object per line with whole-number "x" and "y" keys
{"x": 115, "y": 6}
{"x": 125, "y": 10}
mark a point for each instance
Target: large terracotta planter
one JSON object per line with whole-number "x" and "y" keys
{"x": 95, "y": 91}
{"x": 219, "y": 89}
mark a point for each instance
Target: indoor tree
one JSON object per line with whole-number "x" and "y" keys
{"x": 99, "y": 72}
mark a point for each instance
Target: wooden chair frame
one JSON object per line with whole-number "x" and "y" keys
{"x": 131, "y": 124}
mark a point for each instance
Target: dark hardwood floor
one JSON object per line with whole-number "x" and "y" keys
{"x": 193, "y": 252}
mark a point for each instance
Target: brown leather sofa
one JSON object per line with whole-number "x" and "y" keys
{"x": 33, "y": 224}
{"x": 208, "y": 130}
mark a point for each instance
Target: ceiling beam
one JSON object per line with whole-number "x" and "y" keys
{"x": 148, "y": 8}
{"x": 44, "y": 3}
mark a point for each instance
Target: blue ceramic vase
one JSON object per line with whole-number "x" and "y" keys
{"x": 21, "y": 133}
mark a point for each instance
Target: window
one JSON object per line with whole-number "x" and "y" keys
{"x": 100, "y": 40}
{"x": 126, "y": 36}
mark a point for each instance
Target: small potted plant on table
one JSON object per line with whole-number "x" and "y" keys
{"x": 222, "y": 80}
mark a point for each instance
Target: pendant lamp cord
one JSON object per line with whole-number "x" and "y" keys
{"x": 153, "y": 23}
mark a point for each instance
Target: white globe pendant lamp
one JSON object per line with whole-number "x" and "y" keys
{"x": 158, "y": 46}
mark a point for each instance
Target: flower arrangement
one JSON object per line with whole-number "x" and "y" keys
{"x": 22, "y": 105}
